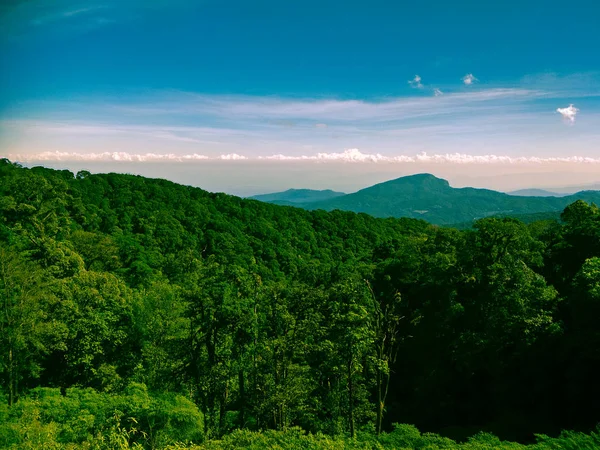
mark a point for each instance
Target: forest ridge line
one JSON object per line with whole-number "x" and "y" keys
{"x": 425, "y": 196}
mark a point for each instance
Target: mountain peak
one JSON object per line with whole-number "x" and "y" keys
{"x": 421, "y": 177}
{"x": 419, "y": 180}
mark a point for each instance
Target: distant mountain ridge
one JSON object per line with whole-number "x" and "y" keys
{"x": 427, "y": 197}
{"x": 575, "y": 189}
{"x": 292, "y": 196}
{"x": 536, "y": 193}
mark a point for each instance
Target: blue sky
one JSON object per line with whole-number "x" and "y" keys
{"x": 440, "y": 86}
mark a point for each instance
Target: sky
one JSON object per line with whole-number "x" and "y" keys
{"x": 253, "y": 97}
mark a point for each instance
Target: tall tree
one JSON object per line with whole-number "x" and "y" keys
{"x": 352, "y": 339}
{"x": 26, "y": 331}
{"x": 385, "y": 323}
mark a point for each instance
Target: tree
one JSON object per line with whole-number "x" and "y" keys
{"x": 579, "y": 240}
{"x": 161, "y": 328}
{"x": 95, "y": 351}
{"x": 26, "y": 332}
{"x": 218, "y": 301}
{"x": 385, "y": 323}
{"x": 351, "y": 340}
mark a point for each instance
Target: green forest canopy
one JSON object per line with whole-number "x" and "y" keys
{"x": 141, "y": 312}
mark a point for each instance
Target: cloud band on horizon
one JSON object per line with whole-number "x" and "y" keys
{"x": 347, "y": 156}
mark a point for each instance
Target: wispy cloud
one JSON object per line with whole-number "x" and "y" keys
{"x": 64, "y": 14}
{"x": 568, "y": 113}
{"x": 261, "y": 122}
{"x": 348, "y": 156}
{"x": 253, "y": 112}
{"x": 416, "y": 82}
{"x": 92, "y": 135}
{"x": 437, "y": 92}
{"x": 323, "y": 111}
{"x": 469, "y": 79}
{"x": 164, "y": 132}
{"x": 42, "y": 19}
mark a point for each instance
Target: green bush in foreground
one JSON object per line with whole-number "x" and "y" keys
{"x": 403, "y": 437}
{"x": 85, "y": 418}
{"x": 135, "y": 419}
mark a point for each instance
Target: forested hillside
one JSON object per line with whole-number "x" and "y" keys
{"x": 427, "y": 197}
{"x": 138, "y": 313}
{"x": 292, "y": 196}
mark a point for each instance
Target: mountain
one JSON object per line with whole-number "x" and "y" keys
{"x": 427, "y": 197}
{"x": 536, "y": 193}
{"x": 293, "y": 196}
{"x": 574, "y": 189}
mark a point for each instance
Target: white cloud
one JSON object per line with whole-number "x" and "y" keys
{"x": 469, "y": 79}
{"x": 232, "y": 157}
{"x": 568, "y": 113}
{"x": 348, "y": 156}
{"x": 355, "y": 155}
{"x": 437, "y": 92}
{"x": 320, "y": 125}
{"x": 106, "y": 156}
{"x": 416, "y": 82}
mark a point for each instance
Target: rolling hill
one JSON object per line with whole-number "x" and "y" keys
{"x": 293, "y": 196}
{"x": 427, "y": 197}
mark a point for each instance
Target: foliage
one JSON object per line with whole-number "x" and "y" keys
{"x": 137, "y": 312}
{"x": 84, "y": 416}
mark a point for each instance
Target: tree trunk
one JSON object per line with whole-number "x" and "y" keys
{"x": 350, "y": 400}
{"x": 379, "y": 402}
{"x": 242, "y": 388}
{"x": 11, "y": 378}
{"x": 223, "y": 408}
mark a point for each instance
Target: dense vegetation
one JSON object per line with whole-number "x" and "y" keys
{"x": 141, "y": 313}
{"x": 426, "y": 197}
